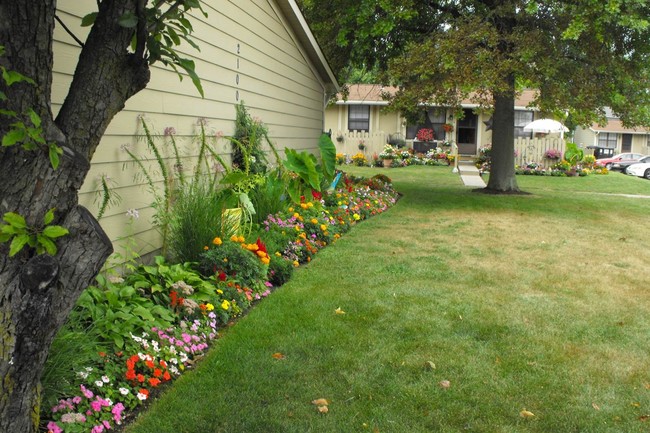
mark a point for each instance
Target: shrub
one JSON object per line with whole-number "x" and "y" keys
{"x": 234, "y": 261}
{"x": 280, "y": 270}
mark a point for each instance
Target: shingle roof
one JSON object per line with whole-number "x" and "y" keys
{"x": 371, "y": 94}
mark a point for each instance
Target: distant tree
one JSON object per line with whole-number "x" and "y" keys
{"x": 50, "y": 247}
{"x": 582, "y": 56}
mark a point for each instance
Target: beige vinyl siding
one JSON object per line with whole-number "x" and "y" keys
{"x": 248, "y": 50}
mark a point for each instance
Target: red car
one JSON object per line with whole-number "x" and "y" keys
{"x": 620, "y": 161}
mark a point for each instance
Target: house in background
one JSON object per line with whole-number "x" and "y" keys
{"x": 363, "y": 117}
{"x": 258, "y": 51}
{"x": 613, "y": 138}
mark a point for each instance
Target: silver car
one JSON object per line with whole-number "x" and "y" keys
{"x": 640, "y": 169}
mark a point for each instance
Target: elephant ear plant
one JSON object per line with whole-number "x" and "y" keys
{"x": 573, "y": 155}
{"x": 310, "y": 173}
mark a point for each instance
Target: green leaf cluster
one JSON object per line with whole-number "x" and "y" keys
{"x": 115, "y": 310}
{"x": 310, "y": 173}
{"x": 42, "y": 239}
{"x": 166, "y": 26}
{"x": 26, "y": 129}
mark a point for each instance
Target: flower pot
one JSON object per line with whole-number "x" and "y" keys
{"x": 387, "y": 163}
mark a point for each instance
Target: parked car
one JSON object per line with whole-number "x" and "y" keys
{"x": 640, "y": 169}
{"x": 620, "y": 161}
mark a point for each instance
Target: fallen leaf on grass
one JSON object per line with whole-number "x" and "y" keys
{"x": 445, "y": 384}
{"x": 595, "y": 406}
{"x": 320, "y": 402}
{"x": 277, "y": 355}
{"x": 339, "y": 311}
{"x": 323, "y": 409}
{"x": 429, "y": 365}
{"x": 526, "y": 414}
{"x": 644, "y": 418}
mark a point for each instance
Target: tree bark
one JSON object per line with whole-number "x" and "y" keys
{"x": 502, "y": 172}
{"x": 37, "y": 292}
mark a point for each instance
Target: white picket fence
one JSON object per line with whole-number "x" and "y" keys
{"x": 526, "y": 149}
{"x": 348, "y": 142}
{"x": 529, "y": 150}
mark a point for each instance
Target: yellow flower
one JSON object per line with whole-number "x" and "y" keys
{"x": 219, "y": 291}
{"x": 303, "y": 205}
{"x": 277, "y": 253}
{"x": 205, "y": 248}
{"x": 290, "y": 209}
{"x": 241, "y": 239}
{"x": 310, "y": 204}
{"x": 302, "y": 235}
{"x": 266, "y": 260}
{"x": 323, "y": 227}
{"x": 314, "y": 221}
{"x": 225, "y": 259}
{"x": 260, "y": 253}
{"x": 356, "y": 216}
{"x": 234, "y": 238}
{"x": 217, "y": 241}
{"x": 295, "y": 263}
{"x": 296, "y": 215}
{"x": 225, "y": 304}
{"x": 297, "y": 227}
{"x": 209, "y": 307}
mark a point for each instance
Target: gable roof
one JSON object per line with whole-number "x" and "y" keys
{"x": 306, "y": 38}
{"x": 371, "y": 94}
{"x": 616, "y": 126}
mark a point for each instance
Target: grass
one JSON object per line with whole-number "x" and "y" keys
{"x": 537, "y": 302}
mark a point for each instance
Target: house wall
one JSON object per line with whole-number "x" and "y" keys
{"x": 587, "y": 137}
{"x": 248, "y": 53}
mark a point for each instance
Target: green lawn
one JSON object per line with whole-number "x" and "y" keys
{"x": 538, "y": 302}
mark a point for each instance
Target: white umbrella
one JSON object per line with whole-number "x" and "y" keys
{"x": 546, "y": 126}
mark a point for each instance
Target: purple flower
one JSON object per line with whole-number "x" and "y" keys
{"x": 170, "y": 130}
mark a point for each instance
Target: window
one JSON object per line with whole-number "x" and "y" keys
{"x": 437, "y": 117}
{"x": 607, "y": 139}
{"x": 523, "y": 118}
{"x": 359, "y": 118}
{"x": 434, "y": 118}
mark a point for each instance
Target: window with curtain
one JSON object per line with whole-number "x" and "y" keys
{"x": 523, "y": 118}
{"x": 607, "y": 139}
{"x": 359, "y": 118}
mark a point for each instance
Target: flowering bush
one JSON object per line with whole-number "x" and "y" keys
{"x": 553, "y": 154}
{"x": 425, "y": 134}
{"x": 359, "y": 160}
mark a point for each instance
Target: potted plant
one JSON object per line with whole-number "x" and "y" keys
{"x": 388, "y": 155}
{"x": 553, "y": 154}
{"x": 340, "y": 138}
{"x": 425, "y": 134}
{"x": 448, "y": 127}
{"x": 362, "y": 145}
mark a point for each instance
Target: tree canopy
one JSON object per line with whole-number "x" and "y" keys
{"x": 581, "y": 56}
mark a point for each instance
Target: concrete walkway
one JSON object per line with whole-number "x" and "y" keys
{"x": 470, "y": 176}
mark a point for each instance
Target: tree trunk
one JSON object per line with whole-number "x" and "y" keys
{"x": 502, "y": 173}
{"x": 37, "y": 292}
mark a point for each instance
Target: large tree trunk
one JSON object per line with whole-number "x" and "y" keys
{"x": 502, "y": 173}
{"x": 37, "y": 292}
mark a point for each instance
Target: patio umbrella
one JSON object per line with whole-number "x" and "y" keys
{"x": 546, "y": 126}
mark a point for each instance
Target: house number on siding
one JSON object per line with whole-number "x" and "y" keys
{"x": 237, "y": 74}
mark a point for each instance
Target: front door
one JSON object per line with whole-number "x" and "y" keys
{"x": 466, "y": 133}
{"x": 626, "y": 143}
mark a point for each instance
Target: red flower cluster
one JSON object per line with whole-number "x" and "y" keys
{"x": 147, "y": 371}
{"x": 425, "y": 134}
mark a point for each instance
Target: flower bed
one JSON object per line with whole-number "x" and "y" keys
{"x": 158, "y": 320}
